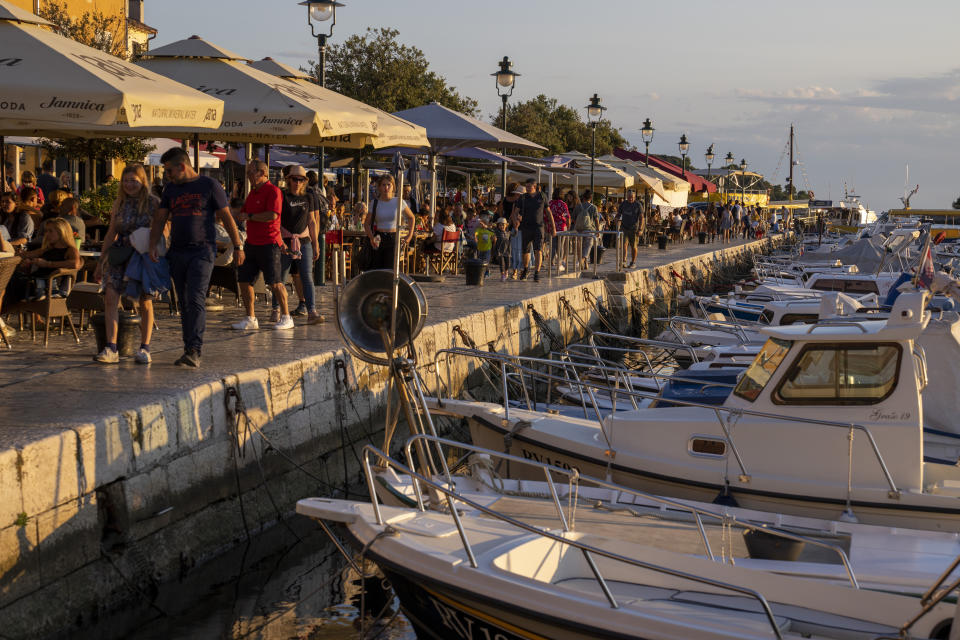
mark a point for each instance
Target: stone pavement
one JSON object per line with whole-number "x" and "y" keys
{"x": 47, "y": 390}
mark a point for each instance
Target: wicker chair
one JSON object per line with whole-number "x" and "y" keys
{"x": 7, "y": 268}
{"x": 49, "y": 308}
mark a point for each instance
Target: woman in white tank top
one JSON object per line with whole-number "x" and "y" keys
{"x": 380, "y": 224}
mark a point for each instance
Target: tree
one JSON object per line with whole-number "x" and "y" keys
{"x": 558, "y": 127}
{"x": 93, "y": 28}
{"x": 675, "y": 160}
{"x": 376, "y": 69}
{"x": 956, "y": 203}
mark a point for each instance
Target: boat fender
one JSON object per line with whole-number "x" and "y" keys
{"x": 518, "y": 426}
{"x": 725, "y": 498}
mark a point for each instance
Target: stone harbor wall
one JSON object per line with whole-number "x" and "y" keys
{"x": 95, "y": 516}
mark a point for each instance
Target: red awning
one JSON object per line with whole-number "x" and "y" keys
{"x": 698, "y": 183}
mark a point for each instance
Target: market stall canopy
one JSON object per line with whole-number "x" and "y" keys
{"x": 258, "y": 106}
{"x": 161, "y": 145}
{"x": 644, "y": 177}
{"x": 697, "y": 183}
{"x": 604, "y": 174}
{"x": 53, "y": 86}
{"x": 448, "y": 129}
{"x": 391, "y": 131}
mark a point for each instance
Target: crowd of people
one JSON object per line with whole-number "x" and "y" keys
{"x": 179, "y": 228}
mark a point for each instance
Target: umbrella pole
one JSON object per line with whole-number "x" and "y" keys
{"x": 248, "y": 154}
{"x": 3, "y": 164}
{"x": 196, "y": 152}
{"x": 266, "y": 158}
{"x": 433, "y": 188}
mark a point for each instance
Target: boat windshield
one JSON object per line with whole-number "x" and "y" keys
{"x": 758, "y": 374}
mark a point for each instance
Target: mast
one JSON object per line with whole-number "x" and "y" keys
{"x": 790, "y": 178}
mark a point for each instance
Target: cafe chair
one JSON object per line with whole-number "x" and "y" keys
{"x": 7, "y": 267}
{"x": 49, "y": 308}
{"x": 440, "y": 260}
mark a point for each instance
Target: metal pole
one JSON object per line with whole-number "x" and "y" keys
{"x": 396, "y": 259}
{"x": 503, "y": 163}
{"x": 646, "y": 154}
{"x": 322, "y": 39}
{"x": 593, "y": 155}
{"x": 3, "y": 164}
{"x": 248, "y": 155}
{"x": 196, "y": 152}
{"x": 433, "y": 188}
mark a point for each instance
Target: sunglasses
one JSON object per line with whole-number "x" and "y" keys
{"x": 296, "y": 179}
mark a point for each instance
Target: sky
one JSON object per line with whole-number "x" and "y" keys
{"x": 872, "y": 87}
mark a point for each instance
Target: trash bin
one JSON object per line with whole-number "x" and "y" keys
{"x": 128, "y": 332}
{"x": 702, "y": 236}
{"x": 474, "y": 270}
{"x": 662, "y": 242}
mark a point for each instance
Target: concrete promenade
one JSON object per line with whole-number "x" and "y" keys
{"x": 116, "y": 476}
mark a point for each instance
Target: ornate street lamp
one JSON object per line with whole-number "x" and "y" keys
{"x": 594, "y": 113}
{"x": 647, "y": 133}
{"x": 506, "y": 81}
{"x": 318, "y": 13}
{"x": 684, "y": 146}
{"x": 709, "y": 156}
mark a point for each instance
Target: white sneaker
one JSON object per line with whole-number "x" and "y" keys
{"x": 107, "y": 356}
{"x": 247, "y": 324}
{"x": 6, "y": 327}
{"x": 561, "y": 269}
{"x": 286, "y": 322}
{"x": 142, "y": 356}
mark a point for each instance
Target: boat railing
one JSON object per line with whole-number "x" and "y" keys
{"x": 726, "y": 416}
{"x": 675, "y": 325}
{"x": 664, "y": 345}
{"x": 574, "y": 477}
{"x": 588, "y": 550}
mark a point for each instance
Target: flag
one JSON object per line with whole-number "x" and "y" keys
{"x": 925, "y": 278}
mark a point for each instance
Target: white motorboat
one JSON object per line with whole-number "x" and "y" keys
{"x": 827, "y": 420}
{"x": 474, "y": 572}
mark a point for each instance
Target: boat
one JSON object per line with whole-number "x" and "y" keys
{"x": 472, "y": 571}
{"x": 864, "y": 446}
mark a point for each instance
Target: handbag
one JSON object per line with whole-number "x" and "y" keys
{"x": 117, "y": 255}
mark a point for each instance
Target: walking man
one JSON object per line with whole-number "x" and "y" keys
{"x": 630, "y": 214}
{"x": 528, "y": 211}
{"x": 262, "y": 211}
{"x": 193, "y": 203}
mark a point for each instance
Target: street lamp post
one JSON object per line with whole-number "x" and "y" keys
{"x": 728, "y": 160}
{"x": 709, "y": 156}
{"x": 319, "y": 12}
{"x": 594, "y": 113}
{"x": 506, "y": 80}
{"x": 684, "y": 146}
{"x": 743, "y": 182}
{"x": 647, "y": 133}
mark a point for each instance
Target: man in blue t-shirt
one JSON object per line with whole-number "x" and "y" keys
{"x": 193, "y": 203}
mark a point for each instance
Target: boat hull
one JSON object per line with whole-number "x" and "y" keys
{"x": 909, "y": 511}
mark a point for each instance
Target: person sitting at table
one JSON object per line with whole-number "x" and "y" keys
{"x": 29, "y": 181}
{"x": 380, "y": 224}
{"x": 20, "y": 223}
{"x": 6, "y": 249}
{"x": 133, "y": 209}
{"x": 69, "y": 211}
{"x": 8, "y": 204}
{"x": 432, "y": 244}
{"x": 58, "y": 251}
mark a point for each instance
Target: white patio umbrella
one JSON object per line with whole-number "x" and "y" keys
{"x": 448, "y": 130}
{"x": 51, "y": 83}
{"x": 604, "y": 174}
{"x": 391, "y": 131}
{"x": 259, "y": 106}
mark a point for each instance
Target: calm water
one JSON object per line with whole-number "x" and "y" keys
{"x": 288, "y": 582}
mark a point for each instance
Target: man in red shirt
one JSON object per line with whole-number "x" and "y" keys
{"x": 262, "y": 213}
